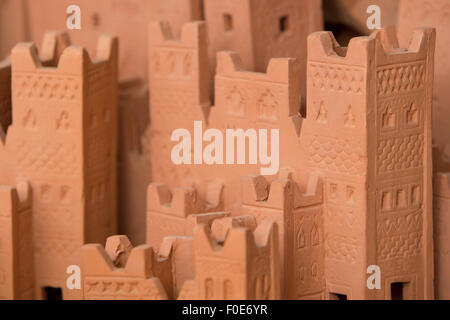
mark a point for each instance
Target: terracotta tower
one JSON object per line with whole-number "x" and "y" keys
{"x": 261, "y": 29}
{"x": 369, "y": 111}
{"x": 245, "y": 266}
{"x": 16, "y": 243}
{"x": 63, "y": 139}
{"x": 122, "y": 272}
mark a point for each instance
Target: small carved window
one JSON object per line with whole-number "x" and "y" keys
{"x": 227, "y": 22}
{"x": 386, "y": 201}
{"x": 350, "y": 194}
{"x": 301, "y": 242}
{"x": 412, "y": 115}
{"x": 333, "y": 191}
{"x": 228, "y": 290}
{"x": 45, "y": 192}
{"x": 315, "y": 237}
{"x": 400, "y": 200}
{"x": 415, "y": 196}
{"x": 64, "y": 193}
{"x": 388, "y": 119}
{"x": 284, "y": 24}
{"x": 209, "y": 293}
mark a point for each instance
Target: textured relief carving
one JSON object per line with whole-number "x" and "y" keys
{"x": 400, "y": 245}
{"x": 342, "y": 248}
{"x": 235, "y": 102}
{"x": 99, "y": 289}
{"x": 336, "y": 155}
{"x": 400, "y": 153}
{"x": 63, "y": 122}
{"x": 400, "y": 197}
{"x": 48, "y": 158}
{"x": 322, "y": 113}
{"x": 400, "y": 224}
{"x": 268, "y": 106}
{"x": 349, "y": 118}
{"x": 337, "y": 78}
{"x": 401, "y": 78}
{"x": 29, "y": 121}
{"x": 45, "y": 87}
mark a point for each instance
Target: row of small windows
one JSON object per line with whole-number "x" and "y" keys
{"x": 388, "y": 118}
{"x": 261, "y": 288}
{"x": 401, "y": 198}
{"x": 349, "y": 193}
{"x": 283, "y": 23}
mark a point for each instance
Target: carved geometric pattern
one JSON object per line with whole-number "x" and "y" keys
{"x": 335, "y": 155}
{"x": 349, "y": 118}
{"x": 117, "y": 289}
{"x": 400, "y": 224}
{"x": 46, "y": 87}
{"x": 400, "y": 245}
{"x": 172, "y": 63}
{"x": 337, "y": 78}
{"x": 63, "y": 122}
{"x": 322, "y": 113}
{"x": 268, "y": 106}
{"x": 342, "y": 248}
{"x": 400, "y": 153}
{"x": 55, "y": 245}
{"x": 401, "y": 78}
{"x": 46, "y": 158}
{"x": 235, "y": 102}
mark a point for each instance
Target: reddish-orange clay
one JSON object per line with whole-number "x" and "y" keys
{"x": 224, "y": 150}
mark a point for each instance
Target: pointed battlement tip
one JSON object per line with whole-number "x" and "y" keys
{"x": 117, "y": 255}
{"x": 387, "y": 37}
{"x": 192, "y": 33}
{"x": 323, "y": 45}
{"x": 181, "y": 202}
{"x": 228, "y": 62}
{"x": 57, "y": 53}
{"x": 53, "y": 45}
{"x": 237, "y": 242}
{"x": 278, "y": 69}
{"x": 221, "y": 226}
{"x": 16, "y": 197}
{"x": 107, "y": 48}
{"x": 257, "y": 191}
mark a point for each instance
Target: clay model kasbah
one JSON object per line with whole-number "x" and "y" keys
{"x": 88, "y": 179}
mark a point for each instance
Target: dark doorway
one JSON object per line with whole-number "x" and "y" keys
{"x": 337, "y": 296}
{"x": 51, "y": 293}
{"x": 397, "y": 290}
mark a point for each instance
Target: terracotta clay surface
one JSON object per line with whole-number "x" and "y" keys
{"x": 435, "y": 14}
{"x": 350, "y": 182}
{"x": 16, "y": 238}
{"x": 63, "y": 140}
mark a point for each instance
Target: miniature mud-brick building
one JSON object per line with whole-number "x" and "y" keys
{"x": 369, "y": 134}
{"x": 441, "y": 210}
{"x": 262, "y": 29}
{"x": 5, "y": 94}
{"x": 63, "y": 140}
{"x": 432, "y": 13}
{"x": 120, "y": 271}
{"x": 179, "y": 86}
{"x": 299, "y": 216}
{"x": 176, "y": 214}
{"x": 245, "y": 266}
{"x": 16, "y": 242}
